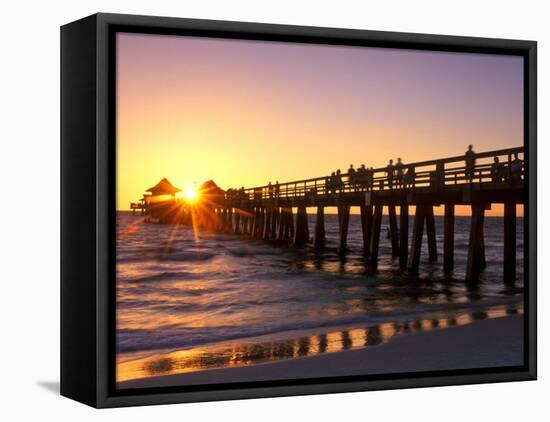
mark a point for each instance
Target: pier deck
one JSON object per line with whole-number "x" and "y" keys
{"x": 267, "y": 212}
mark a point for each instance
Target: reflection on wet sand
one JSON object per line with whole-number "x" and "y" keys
{"x": 219, "y": 356}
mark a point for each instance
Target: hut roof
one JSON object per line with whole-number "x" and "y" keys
{"x": 211, "y": 188}
{"x": 163, "y": 187}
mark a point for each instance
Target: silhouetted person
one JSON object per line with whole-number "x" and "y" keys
{"x": 258, "y": 193}
{"x": 399, "y": 172}
{"x": 339, "y": 184}
{"x": 270, "y": 189}
{"x": 390, "y": 172}
{"x": 351, "y": 177}
{"x": 515, "y": 168}
{"x": 362, "y": 176}
{"x": 497, "y": 173}
{"x": 331, "y": 182}
{"x": 470, "y": 158}
{"x": 277, "y": 189}
{"x": 408, "y": 178}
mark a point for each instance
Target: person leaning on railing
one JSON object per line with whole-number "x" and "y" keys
{"x": 470, "y": 159}
{"x": 389, "y": 172}
{"x": 352, "y": 179}
{"x": 516, "y": 166}
{"x": 241, "y": 193}
{"x": 399, "y": 172}
{"x": 497, "y": 170}
{"x": 258, "y": 193}
{"x": 361, "y": 177}
{"x": 408, "y": 177}
{"x": 331, "y": 183}
{"x": 338, "y": 180}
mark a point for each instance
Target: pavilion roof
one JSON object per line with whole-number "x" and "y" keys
{"x": 164, "y": 187}
{"x": 211, "y": 188}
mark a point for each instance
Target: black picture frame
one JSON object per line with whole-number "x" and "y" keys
{"x": 88, "y": 208}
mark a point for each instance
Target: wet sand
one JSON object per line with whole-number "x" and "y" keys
{"x": 487, "y": 343}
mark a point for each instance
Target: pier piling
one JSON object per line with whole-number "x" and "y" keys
{"x": 237, "y": 228}
{"x": 254, "y": 223}
{"x": 274, "y": 222}
{"x": 375, "y": 234}
{"x": 261, "y": 223}
{"x": 343, "y": 212}
{"x": 416, "y": 242}
{"x": 244, "y": 223}
{"x": 449, "y": 238}
{"x": 291, "y": 227}
{"x": 394, "y": 236}
{"x": 229, "y": 225}
{"x": 482, "y": 255}
{"x": 268, "y": 214}
{"x": 403, "y": 234}
{"x": 366, "y": 227}
{"x": 509, "y": 242}
{"x": 474, "y": 264}
{"x": 430, "y": 230}
{"x": 319, "y": 241}
{"x": 224, "y": 220}
{"x": 287, "y": 233}
{"x": 282, "y": 225}
{"x": 301, "y": 232}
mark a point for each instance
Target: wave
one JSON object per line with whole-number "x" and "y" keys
{"x": 186, "y": 256}
{"x": 129, "y": 340}
{"x": 175, "y": 337}
{"x": 164, "y": 276}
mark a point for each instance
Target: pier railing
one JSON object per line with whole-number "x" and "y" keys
{"x": 434, "y": 174}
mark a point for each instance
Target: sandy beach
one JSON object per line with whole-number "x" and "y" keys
{"x": 476, "y": 345}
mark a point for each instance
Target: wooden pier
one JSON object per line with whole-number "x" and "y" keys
{"x": 267, "y": 212}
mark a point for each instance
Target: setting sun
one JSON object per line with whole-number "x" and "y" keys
{"x": 190, "y": 194}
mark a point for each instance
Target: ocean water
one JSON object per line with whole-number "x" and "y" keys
{"x": 189, "y": 300}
